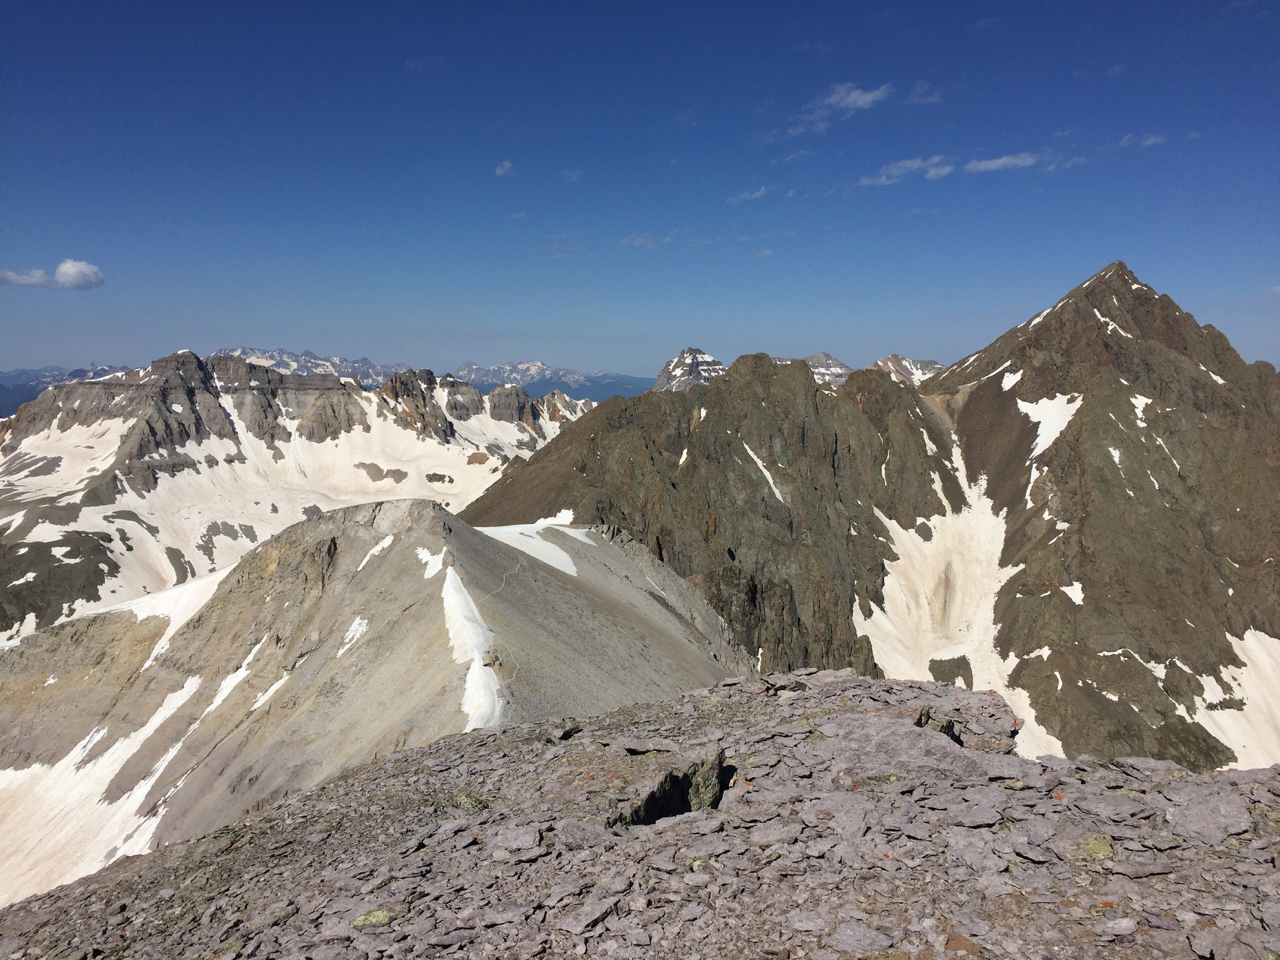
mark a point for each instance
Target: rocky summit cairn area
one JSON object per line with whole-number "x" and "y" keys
{"x": 813, "y": 814}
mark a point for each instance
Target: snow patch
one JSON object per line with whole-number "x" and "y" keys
{"x": 528, "y": 539}
{"x": 1009, "y": 379}
{"x": 1253, "y": 732}
{"x": 1051, "y": 416}
{"x": 768, "y": 476}
{"x": 939, "y": 602}
{"x": 1139, "y": 407}
{"x": 472, "y": 640}
{"x": 267, "y": 693}
{"x": 433, "y": 561}
{"x": 1076, "y": 592}
{"x": 354, "y": 632}
{"x": 376, "y": 549}
{"x": 25, "y": 578}
{"x": 177, "y": 604}
{"x": 55, "y": 825}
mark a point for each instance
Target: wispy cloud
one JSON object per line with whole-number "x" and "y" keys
{"x": 933, "y": 168}
{"x": 570, "y": 176}
{"x": 764, "y": 253}
{"x": 1146, "y": 140}
{"x": 1116, "y": 70}
{"x": 841, "y": 100}
{"x": 923, "y": 93}
{"x": 32, "y": 278}
{"x": 746, "y": 195}
{"x": 797, "y": 156}
{"x": 638, "y": 240}
{"x": 70, "y": 275}
{"x": 518, "y": 215}
{"x": 1009, "y": 161}
{"x": 502, "y": 169}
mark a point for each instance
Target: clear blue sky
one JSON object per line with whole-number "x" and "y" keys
{"x": 598, "y": 185}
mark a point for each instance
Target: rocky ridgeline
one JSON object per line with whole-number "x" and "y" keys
{"x": 814, "y": 814}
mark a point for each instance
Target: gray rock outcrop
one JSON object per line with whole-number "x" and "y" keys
{"x": 814, "y": 814}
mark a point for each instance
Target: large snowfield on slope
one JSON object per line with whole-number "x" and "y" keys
{"x": 939, "y": 602}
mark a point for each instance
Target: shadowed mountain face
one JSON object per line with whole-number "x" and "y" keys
{"x": 1084, "y": 516}
{"x": 766, "y": 491}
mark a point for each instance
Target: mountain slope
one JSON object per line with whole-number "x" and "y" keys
{"x": 1136, "y": 458}
{"x": 118, "y": 487}
{"x": 344, "y": 638}
{"x": 765, "y": 490}
{"x": 1097, "y": 539}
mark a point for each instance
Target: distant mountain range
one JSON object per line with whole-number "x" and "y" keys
{"x": 19, "y": 386}
{"x": 370, "y": 374}
{"x": 538, "y": 379}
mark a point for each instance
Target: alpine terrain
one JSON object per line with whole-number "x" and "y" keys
{"x": 1083, "y": 516}
{"x": 118, "y": 487}
{"x": 364, "y": 370}
{"x": 344, "y": 638}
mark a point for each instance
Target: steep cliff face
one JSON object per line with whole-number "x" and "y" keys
{"x": 1084, "y": 516}
{"x": 125, "y": 485}
{"x": 766, "y": 490}
{"x": 344, "y": 638}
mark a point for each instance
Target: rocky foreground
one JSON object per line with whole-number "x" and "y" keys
{"x": 813, "y": 814}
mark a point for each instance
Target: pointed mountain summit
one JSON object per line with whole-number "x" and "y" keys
{"x": 827, "y": 369}
{"x": 905, "y": 370}
{"x": 692, "y": 366}
{"x": 1083, "y": 516}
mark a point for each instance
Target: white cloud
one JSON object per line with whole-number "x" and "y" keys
{"x": 77, "y": 275}
{"x": 840, "y": 98}
{"x": 923, "y": 93}
{"x": 70, "y": 275}
{"x": 570, "y": 176}
{"x": 1147, "y": 140}
{"x": 746, "y": 195}
{"x": 765, "y": 253}
{"x": 1007, "y": 162}
{"x": 32, "y": 278}
{"x": 502, "y": 169}
{"x": 932, "y": 167}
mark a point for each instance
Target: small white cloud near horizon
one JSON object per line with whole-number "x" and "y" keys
{"x": 1009, "y": 161}
{"x": 842, "y": 98}
{"x": 746, "y": 195}
{"x": 502, "y": 169}
{"x": 933, "y": 168}
{"x": 69, "y": 275}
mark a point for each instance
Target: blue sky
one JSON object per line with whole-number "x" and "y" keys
{"x": 598, "y": 185}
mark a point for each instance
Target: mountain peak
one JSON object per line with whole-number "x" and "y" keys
{"x": 690, "y": 367}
